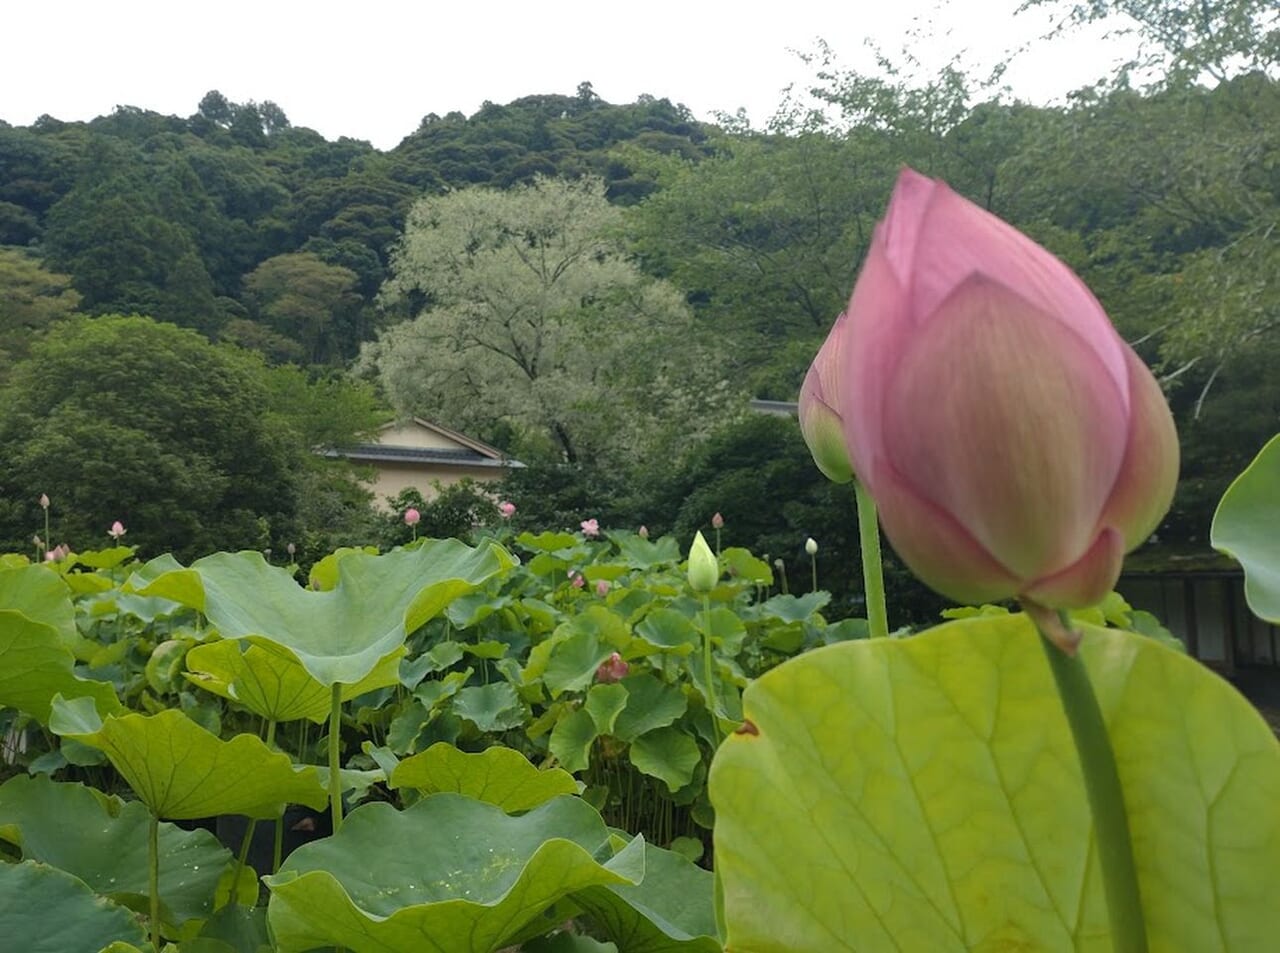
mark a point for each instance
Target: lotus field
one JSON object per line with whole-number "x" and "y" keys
{"x": 586, "y": 741}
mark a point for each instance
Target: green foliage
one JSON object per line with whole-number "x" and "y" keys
{"x": 897, "y": 765}
{"x": 32, "y": 299}
{"x": 125, "y": 419}
{"x": 1247, "y": 527}
{"x": 537, "y": 320}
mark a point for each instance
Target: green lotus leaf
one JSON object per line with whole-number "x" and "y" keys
{"x": 574, "y": 662}
{"x": 568, "y": 943}
{"x": 164, "y": 666}
{"x": 639, "y": 553}
{"x": 324, "y": 574}
{"x": 40, "y": 594}
{"x": 341, "y": 634}
{"x": 181, "y": 771}
{"x": 669, "y": 631}
{"x": 925, "y": 794}
{"x": 103, "y": 841}
{"x": 357, "y": 782}
{"x": 794, "y": 608}
{"x": 450, "y": 871}
{"x": 487, "y": 650}
{"x": 35, "y": 665}
{"x": 105, "y": 558}
{"x": 1246, "y": 527}
{"x": 671, "y": 911}
{"x": 496, "y": 775}
{"x": 46, "y": 910}
{"x": 651, "y": 703}
{"x": 668, "y": 754}
{"x": 271, "y": 683}
{"x": 604, "y": 704}
{"x": 741, "y": 564}
{"x": 571, "y": 740}
{"x": 547, "y": 541}
{"x": 494, "y": 707}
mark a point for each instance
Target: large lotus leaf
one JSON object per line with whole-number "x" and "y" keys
{"x": 270, "y": 682}
{"x": 447, "y": 875}
{"x": 571, "y": 739}
{"x": 574, "y": 662}
{"x": 103, "y": 841}
{"x": 651, "y": 703}
{"x": 1247, "y": 527}
{"x": 35, "y": 666}
{"x": 181, "y": 771}
{"x": 668, "y": 630}
{"x": 492, "y": 708}
{"x": 40, "y": 594}
{"x": 671, "y": 911}
{"x": 640, "y": 553}
{"x": 496, "y": 775}
{"x": 667, "y": 753}
{"x": 46, "y": 910}
{"x": 925, "y": 794}
{"x": 339, "y": 635}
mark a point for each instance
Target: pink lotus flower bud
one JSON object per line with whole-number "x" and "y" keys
{"x": 717, "y": 521}
{"x": 50, "y": 555}
{"x": 62, "y": 551}
{"x": 411, "y": 517}
{"x": 506, "y": 509}
{"x": 819, "y": 414}
{"x": 591, "y": 527}
{"x": 44, "y": 501}
{"x": 1015, "y": 445}
{"x": 579, "y": 581}
{"x": 117, "y": 530}
{"x": 612, "y": 669}
{"x": 643, "y": 532}
{"x": 602, "y": 587}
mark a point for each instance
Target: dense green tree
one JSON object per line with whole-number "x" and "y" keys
{"x": 123, "y": 418}
{"x": 535, "y": 319}
{"x": 32, "y": 299}
{"x": 302, "y": 298}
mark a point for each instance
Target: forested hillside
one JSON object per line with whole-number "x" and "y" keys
{"x": 599, "y": 287}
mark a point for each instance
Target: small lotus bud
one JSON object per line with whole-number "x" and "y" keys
{"x": 117, "y": 530}
{"x": 290, "y": 549}
{"x": 579, "y": 581}
{"x": 506, "y": 509}
{"x": 643, "y": 532}
{"x": 44, "y": 501}
{"x": 811, "y": 546}
{"x": 411, "y": 517}
{"x": 602, "y": 587}
{"x": 717, "y": 521}
{"x": 704, "y": 571}
{"x": 612, "y": 669}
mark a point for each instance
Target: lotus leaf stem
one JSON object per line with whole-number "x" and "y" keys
{"x": 335, "y": 762}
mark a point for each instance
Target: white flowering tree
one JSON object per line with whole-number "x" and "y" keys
{"x": 527, "y": 315}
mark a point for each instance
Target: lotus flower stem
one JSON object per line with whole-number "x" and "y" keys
{"x": 277, "y": 850}
{"x": 153, "y": 858}
{"x": 242, "y": 857}
{"x": 335, "y": 762}
{"x": 1106, "y": 798}
{"x": 708, "y": 671}
{"x": 872, "y": 564}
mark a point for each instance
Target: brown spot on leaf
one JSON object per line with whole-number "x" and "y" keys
{"x": 748, "y": 727}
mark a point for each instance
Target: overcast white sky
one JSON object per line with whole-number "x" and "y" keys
{"x": 373, "y": 69}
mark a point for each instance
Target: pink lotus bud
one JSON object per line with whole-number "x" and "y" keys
{"x": 50, "y": 555}
{"x": 411, "y": 517}
{"x": 117, "y": 530}
{"x": 612, "y": 669}
{"x": 1015, "y": 445}
{"x": 643, "y": 532}
{"x": 44, "y": 501}
{"x": 61, "y": 551}
{"x": 819, "y": 417}
{"x": 506, "y": 509}
{"x": 591, "y": 527}
{"x": 579, "y": 581}
{"x": 602, "y": 587}
{"x": 717, "y": 521}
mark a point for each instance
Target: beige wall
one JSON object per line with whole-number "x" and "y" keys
{"x": 411, "y": 434}
{"x": 391, "y": 478}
